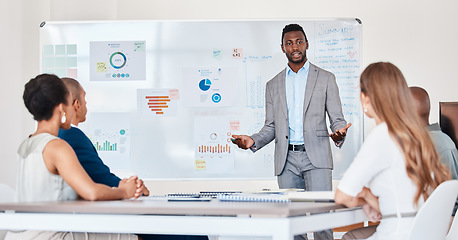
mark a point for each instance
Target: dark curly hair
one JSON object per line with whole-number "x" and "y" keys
{"x": 292, "y": 28}
{"x": 42, "y": 94}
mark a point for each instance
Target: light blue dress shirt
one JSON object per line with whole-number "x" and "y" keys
{"x": 295, "y": 92}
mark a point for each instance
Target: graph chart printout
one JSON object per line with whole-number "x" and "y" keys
{"x": 118, "y": 61}
{"x": 111, "y": 138}
{"x": 210, "y": 87}
{"x": 157, "y": 102}
{"x": 213, "y": 148}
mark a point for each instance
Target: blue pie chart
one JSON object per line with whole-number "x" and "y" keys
{"x": 205, "y": 84}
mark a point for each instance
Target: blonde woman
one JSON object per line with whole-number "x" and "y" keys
{"x": 397, "y": 167}
{"x": 48, "y": 167}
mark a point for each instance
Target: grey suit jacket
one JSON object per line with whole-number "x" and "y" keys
{"x": 321, "y": 97}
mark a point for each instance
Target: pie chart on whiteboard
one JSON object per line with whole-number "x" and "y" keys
{"x": 118, "y": 60}
{"x": 205, "y": 84}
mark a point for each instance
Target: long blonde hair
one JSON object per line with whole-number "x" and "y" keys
{"x": 393, "y": 103}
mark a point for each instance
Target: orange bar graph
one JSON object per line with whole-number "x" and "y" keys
{"x": 157, "y": 103}
{"x": 214, "y": 149}
{"x": 156, "y": 97}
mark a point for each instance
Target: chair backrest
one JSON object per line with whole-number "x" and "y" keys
{"x": 453, "y": 232}
{"x": 6, "y": 195}
{"x": 433, "y": 218}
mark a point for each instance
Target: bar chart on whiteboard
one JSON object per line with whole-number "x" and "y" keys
{"x": 111, "y": 138}
{"x": 213, "y": 145}
{"x": 157, "y": 102}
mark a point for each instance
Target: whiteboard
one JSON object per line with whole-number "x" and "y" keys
{"x": 165, "y": 96}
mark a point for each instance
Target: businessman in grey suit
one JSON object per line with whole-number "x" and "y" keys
{"x": 297, "y": 100}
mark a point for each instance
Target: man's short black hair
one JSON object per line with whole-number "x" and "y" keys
{"x": 291, "y": 28}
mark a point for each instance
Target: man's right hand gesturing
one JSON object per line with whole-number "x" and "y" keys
{"x": 242, "y": 141}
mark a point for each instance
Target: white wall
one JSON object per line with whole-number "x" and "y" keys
{"x": 418, "y": 36}
{"x": 19, "y": 42}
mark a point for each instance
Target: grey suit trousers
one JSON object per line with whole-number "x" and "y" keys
{"x": 299, "y": 172}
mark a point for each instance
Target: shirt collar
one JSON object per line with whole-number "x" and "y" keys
{"x": 306, "y": 67}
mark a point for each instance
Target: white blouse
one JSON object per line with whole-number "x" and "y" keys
{"x": 380, "y": 166}
{"x": 35, "y": 182}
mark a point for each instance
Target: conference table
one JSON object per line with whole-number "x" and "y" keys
{"x": 215, "y": 218}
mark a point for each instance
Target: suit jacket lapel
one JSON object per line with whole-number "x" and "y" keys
{"x": 311, "y": 81}
{"x": 282, "y": 92}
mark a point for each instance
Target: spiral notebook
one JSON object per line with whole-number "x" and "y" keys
{"x": 202, "y": 194}
{"x": 281, "y": 196}
{"x": 243, "y": 197}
